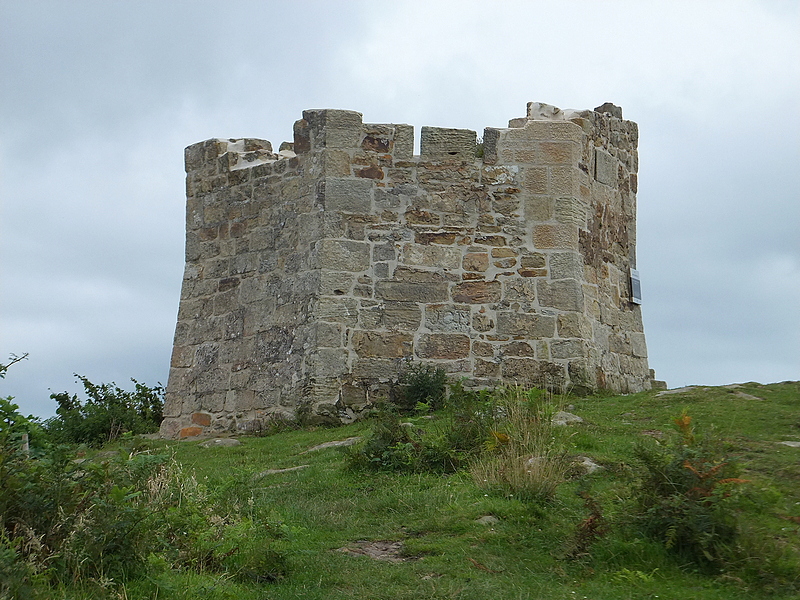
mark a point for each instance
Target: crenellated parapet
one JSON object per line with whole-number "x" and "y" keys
{"x": 315, "y": 274}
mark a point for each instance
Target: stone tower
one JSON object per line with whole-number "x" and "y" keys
{"x": 316, "y": 274}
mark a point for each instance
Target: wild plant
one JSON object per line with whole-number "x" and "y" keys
{"x": 688, "y": 494}
{"x": 526, "y": 455}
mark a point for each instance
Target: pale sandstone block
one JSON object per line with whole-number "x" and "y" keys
{"x": 343, "y": 255}
{"x": 433, "y": 255}
{"x": 526, "y": 325}
{"x": 564, "y": 294}
{"x": 448, "y": 317}
{"x": 348, "y": 195}
{"x": 605, "y": 168}
{"x": 445, "y": 143}
{"x": 555, "y": 236}
{"x": 445, "y": 346}
{"x": 412, "y": 292}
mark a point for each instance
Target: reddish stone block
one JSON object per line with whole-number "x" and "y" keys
{"x": 477, "y": 292}
{"x": 190, "y": 432}
{"x": 202, "y": 419}
{"x": 427, "y": 237}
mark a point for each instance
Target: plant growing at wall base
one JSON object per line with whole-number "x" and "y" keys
{"x": 525, "y": 455}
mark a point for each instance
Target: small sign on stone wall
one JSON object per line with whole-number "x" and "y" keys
{"x": 636, "y": 287}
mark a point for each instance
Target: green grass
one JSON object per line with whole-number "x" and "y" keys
{"x": 530, "y": 552}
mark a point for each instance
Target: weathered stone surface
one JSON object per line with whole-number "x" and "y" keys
{"x": 190, "y": 432}
{"x": 313, "y": 275}
{"x": 202, "y": 419}
{"x": 447, "y": 317}
{"x": 347, "y": 195}
{"x": 605, "y": 167}
{"x": 476, "y": 261}
{"x": 477, "y": 292}
{"x": 444, "y": 143}
{"x": 565, "y": 294}
{"x": 443, "y": 346}
{"x": 525, "y": 325}
{"x": 344, "y": 255}
{"x": 419, "y": 254}
{"x": 411, "y": 292}
{"x": 220, "y": 443}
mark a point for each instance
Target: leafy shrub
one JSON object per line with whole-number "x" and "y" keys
{"x": 107, "y": 413}
{"x": 64, "y": 520}
{"x": 421, "y": 387}
{"x": 688, "y": 495}
{"x": 449, "y": 442}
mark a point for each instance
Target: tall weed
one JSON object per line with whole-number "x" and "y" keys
{"x": 526, "y": 454}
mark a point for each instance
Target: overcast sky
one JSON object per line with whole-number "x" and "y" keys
{"x": 99, "y": 98}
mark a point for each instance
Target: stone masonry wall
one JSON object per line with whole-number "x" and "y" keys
{"x": 315, "y": 275}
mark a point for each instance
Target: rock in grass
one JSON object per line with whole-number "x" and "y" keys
{"x": 225, "y": 442}
{"x": 564, "y": 418}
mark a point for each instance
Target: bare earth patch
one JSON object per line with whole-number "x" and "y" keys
{"x": 378, "y": 550}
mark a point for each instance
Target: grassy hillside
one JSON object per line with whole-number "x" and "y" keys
{"x": 308, "y": 532}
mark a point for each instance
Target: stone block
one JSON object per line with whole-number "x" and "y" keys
{"x": 548, "y": 235}
{"x": 477, "y": 292}
{"x": 377, "y": 344}
{"x": 182, "y": 356}
{"x": 328, "y": 335}
{"x": 572, "y": 211}
{"x": 201, "y": 419}
{"x": 605, "y": 167}
{"x": 537, "y": 260}
{"x": 377, "y": 368}
{"x": 435, "y": 237}
{"x": 334, "y": 128}
{"x": 518, "y": 349}
{"x": 525, "y": 325}
{"x": 337, "y": 310}
{"x": 476, "y": 261}
{"x": 491, "y": 240}
{"x": 482, "y": 348}
{"x": 328, "y": 362}
{"x": 347, "y": 195}
{"x": 447, "y": 317}
{"x": 482, "y": 322}
{"x": 566, "y": 265}
{"x": 402, "y": 315}
{"x": 411, "y": 292}
{"x": 445, "y": 346}
{"x": 521, "y": 371}
{"x": 567, "y": 348}
{"x": 486, "y": 368}
{"x": 334, "y": 283}
{"x": 519, "y": 290}
{"x": 565, "y": 294}
{"x": 403, "y": 142}
{"x": 190, "y": 432}
{"x": 414, "y": 275}
{"x": 638, "y": 346}
{"x": 444, "y": 257}
{"x": 343, "y": 255}
{"x": 353, "y": 396}
{"x": 440, "y": 143}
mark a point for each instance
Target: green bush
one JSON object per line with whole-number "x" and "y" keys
{"x": 421, "y": 387}
{"x": 688, "y": 495}
{"x": 107, "y": 413}
{"x": 65, "y": 520}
